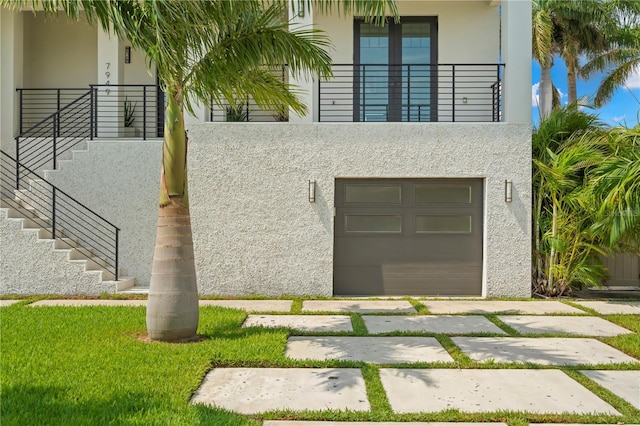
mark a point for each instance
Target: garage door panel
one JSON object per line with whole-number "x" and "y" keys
{"x": 367, "y": 251}
{"x": 408, "y": 237}
{"x": 408, "y": 280}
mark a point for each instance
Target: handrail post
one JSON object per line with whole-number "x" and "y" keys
{"x": 498, "y": 93}
{"x": 453, "y": 92}
{"x": 116, "y": 260}
{"x": 53, "y": 214}
{"x": 319, "y": 99}
{"x": 17, "y": 162}
{"x": 144, "y": 113}
{"x": 20, "y": 109}
{"x": 247, "y": 120}
{"x": 55, "y": 141}
{"x": 91, "y": 101}
{"x": 408, "y": 92}
{"x": 58, "y": 107}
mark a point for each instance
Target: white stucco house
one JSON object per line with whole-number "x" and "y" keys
{"x": 410, "y": 175}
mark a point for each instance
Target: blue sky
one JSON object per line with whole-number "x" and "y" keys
{"x": 623, "y": 109}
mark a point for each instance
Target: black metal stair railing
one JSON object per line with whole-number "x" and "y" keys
{"x": 40, "y": 145}
{"x": 411, "y": 93}
{"x": 51, "y": 208}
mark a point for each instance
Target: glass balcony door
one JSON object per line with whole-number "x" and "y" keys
{"x": 396, "y": 70}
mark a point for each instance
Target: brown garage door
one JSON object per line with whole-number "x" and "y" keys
{"x": 408, "y": 237}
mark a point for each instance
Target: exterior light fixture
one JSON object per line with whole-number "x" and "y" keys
{"x": 127, "y": 54}
{"x": 312, "y": 191}
{"x": 508, "y": 194}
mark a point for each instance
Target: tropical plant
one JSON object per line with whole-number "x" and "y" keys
{"x": 586, "y": 183}
{"x": 236, "y": 113}
{"x": 204, "y": 50}
{"x": 129, "y": 112}
{"x": 568, "y": 29}
{"x": 619, "y": 63}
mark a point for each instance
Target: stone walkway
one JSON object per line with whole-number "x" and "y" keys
{"x": 396, "y": 335}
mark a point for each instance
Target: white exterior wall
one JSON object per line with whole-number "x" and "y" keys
{"x": 58, "y": 52}
{"x": 11, "y": 75}
{"x": 255, "y": 231}
{"x": 468, "y": 31}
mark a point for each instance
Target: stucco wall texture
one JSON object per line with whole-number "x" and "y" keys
{"x": 255, "y": 231}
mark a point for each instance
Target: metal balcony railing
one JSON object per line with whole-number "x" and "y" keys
{"x": 128, "y": 111}
{"x": 56, "y": 211}
{"x": 247, "y": 110}
{"x": 411, "y": 93}
{"x": 53, "y": 121}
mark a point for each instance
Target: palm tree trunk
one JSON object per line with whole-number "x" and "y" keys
{"x": 552, "y": 254}
{"x": 546, "y": 90}
{"x": 172, "y": 306}
{"x": 572, "y": 82}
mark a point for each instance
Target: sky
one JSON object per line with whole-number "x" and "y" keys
{"x": 623, "y": 109}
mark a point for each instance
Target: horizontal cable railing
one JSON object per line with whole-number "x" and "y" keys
{"x": 415, "y": 92}
{"x": 247, "y": 110}
{"x": 34, "y": 105}
{"x": 39, "y": 146}
{"x": 128, "y": 111}
{"x": 53, "y": 209}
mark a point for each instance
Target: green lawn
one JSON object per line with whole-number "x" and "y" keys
{"x": 89, "y": 365}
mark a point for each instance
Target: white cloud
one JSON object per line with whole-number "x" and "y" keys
{"x": 634, "y": 80}
{"x": 618, "y": 119}
{"x": 535, "y": 97}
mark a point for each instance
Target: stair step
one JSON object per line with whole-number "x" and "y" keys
{"x": 45, "y": 233}
{"x": 66, "y": 244}
{"x": 135, "y": 290}
{"x": 21, "y": 213}
{"x": 9, "y": 203}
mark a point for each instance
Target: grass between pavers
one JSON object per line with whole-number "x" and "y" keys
{"x": 87, "y": 364}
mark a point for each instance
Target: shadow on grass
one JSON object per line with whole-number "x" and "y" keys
{"x": 58, "y": 406}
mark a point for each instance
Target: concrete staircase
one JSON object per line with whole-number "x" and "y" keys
{"x": 62, "y": 265}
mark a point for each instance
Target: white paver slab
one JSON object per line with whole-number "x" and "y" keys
{"x": 380, "y": 350}
{"x": 587, "y": 326}
{"x": 302, "y": 322}
{"x": 473, "y": 391}
{"x": 316, "y": 423}
{"x": 252, "y": 305}
{"x": 494, "y": 306}
{"x": 625, "y": 384}
{"x": 545, "y": 351}
{"x": 447, "y": 324}
{"x": 612, "y": 307}
{"x": 256, "y": 390}
{"x": 362, "y": 306}
{"x": 89, "y": 302}
{"x": 8, "y": 302}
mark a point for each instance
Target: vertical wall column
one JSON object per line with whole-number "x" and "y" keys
{"x": 11, "y": 65}
{"x": 110, "y": 98}
{"x": 307, "y": 85}
{"x": 516, "y": 54}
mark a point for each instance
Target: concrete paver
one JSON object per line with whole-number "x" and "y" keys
{"x": 316, "y": 423}
{"x": 7, "y": 302}
{"x": 587, "y": 326}
{"x": 446, "y": 324}
{"x": 362, "y": 306}
{"x": 545, "y": 351}
{"x": 380, "y": 350}
{"x": 302, "y": 322}
{"x": 495, "y": 306}
{"x": 252, "y": 305}
{"x": 623, "y": 383}
{"x": 612, "y": 307}
{"x": 256, "y": 390}
{"x": 533, "y": 391}
{"x": 89, "y": 302}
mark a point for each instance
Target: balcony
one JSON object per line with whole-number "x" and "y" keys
{"x": 411, "y": 93}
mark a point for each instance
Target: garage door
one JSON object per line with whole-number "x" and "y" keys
{"x": 408, "y": 237}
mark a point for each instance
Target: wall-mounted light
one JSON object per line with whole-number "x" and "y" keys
{"x": 508, "y": 191}
{"x": 127, "y": 54}
{"x": 312, "y": 191}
